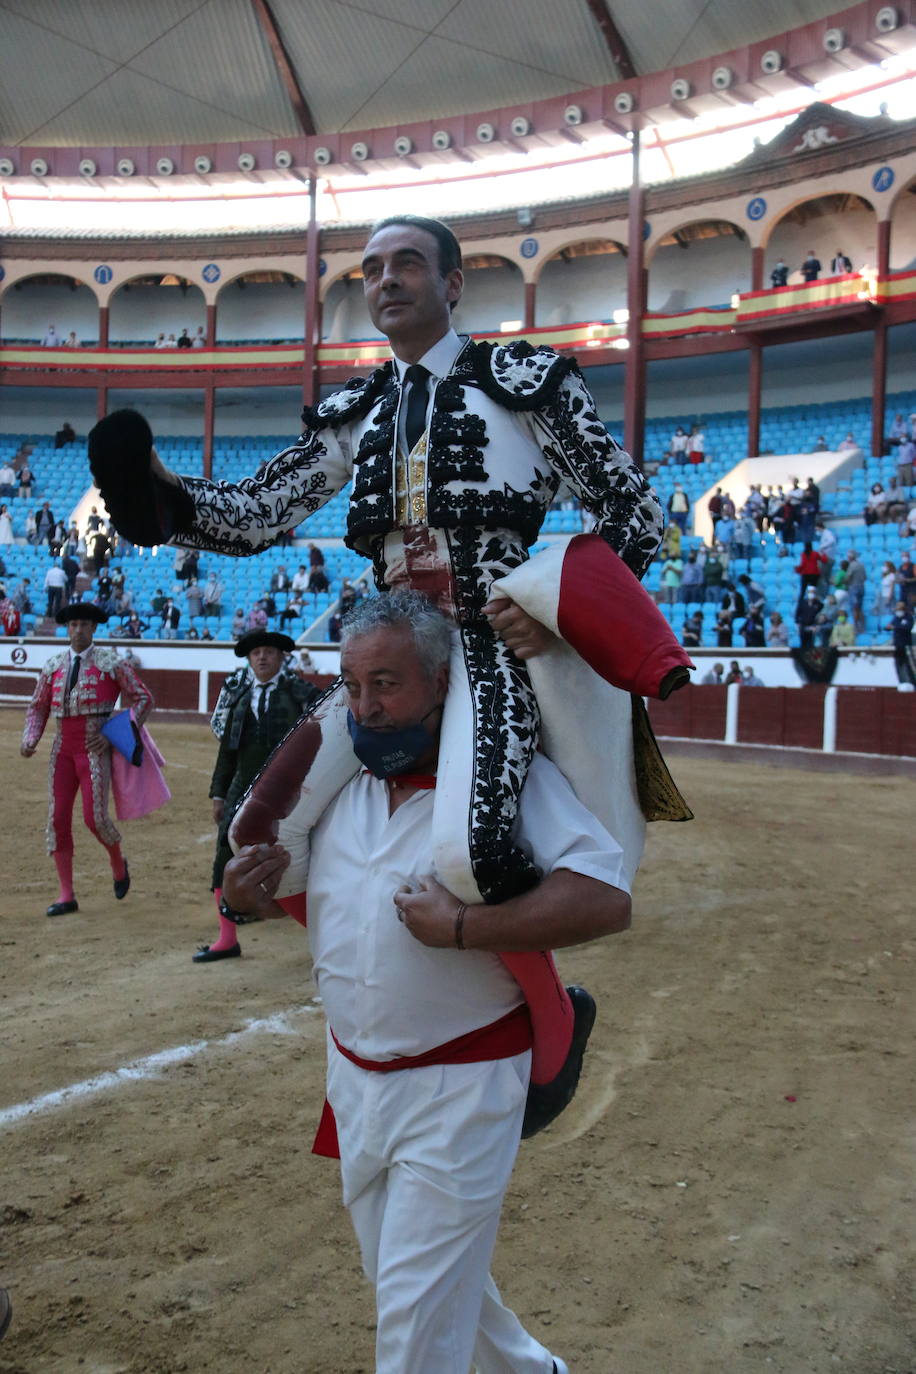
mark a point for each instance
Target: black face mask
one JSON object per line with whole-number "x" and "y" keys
{"x": 386, "y": 753}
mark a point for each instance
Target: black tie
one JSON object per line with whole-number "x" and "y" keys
{"x": 417, "y": 401}
{"x": 74, "y": 674}
{"x": 262, "y": 704}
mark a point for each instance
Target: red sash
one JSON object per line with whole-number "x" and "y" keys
{"x": 511, "y": 1034}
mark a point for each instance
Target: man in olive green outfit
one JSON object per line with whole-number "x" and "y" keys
{"x": 257, "y": 707}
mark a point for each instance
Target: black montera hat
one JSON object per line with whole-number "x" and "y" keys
{"x": 82, "y": 610}
{"x": 271, "y": 639}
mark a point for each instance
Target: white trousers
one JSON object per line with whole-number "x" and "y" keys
{"x": 426, "y": 1156}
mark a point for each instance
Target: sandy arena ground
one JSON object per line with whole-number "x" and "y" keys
{"x": 732, "y": 1191}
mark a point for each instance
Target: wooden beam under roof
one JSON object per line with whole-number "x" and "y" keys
{"x": 616, "y": 44}
{"x": 265, "y": 17}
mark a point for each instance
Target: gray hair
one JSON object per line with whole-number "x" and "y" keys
{"x": 429, "y": 629}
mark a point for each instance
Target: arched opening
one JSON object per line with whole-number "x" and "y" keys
{"x": 827, "y": 225}
{"x": 493, "y": 296}
{"x": 344, "y": 314}
{"x": 154, "y": 310}
{"x": 586, "y": 280}
{"x": 261, "y": 307}
{"x": 903, "y": 230}
{"x": 700, "y": 263}
{"x": 52, "y": 308}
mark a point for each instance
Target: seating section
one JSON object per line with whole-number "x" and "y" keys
{"x": 61, "y": 479}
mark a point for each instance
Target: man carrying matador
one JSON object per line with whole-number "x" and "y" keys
{"x": 455, "y": 450}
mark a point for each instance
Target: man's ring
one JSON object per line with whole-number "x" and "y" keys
{"x": 265, "y": 891}
{"x": 400, "y": 912}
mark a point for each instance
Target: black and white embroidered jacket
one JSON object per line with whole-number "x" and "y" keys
{"x": 508, "y": 425}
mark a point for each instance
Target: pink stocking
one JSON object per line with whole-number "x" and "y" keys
{"x": 63, "y": 862}
{"x": 228, "y": 930}
{"x": 116, "y": 859}
{"x": 550, "y": 1008}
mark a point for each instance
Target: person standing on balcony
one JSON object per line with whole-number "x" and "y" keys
{"x": 840, "y": 264}
{"x": 811, "y": 267}
{"x": 780, "y": 273}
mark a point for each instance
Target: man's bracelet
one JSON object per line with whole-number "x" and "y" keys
{"x": 459, "y": 926}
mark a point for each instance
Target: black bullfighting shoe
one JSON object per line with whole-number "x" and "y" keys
{"x": 547, "y": 1100}
{"x": 144, "y": 509}
{"x": 6, "y": 1312}
{"x": 122, "y": 885}
{"x": 63, "y": 908}
{"x": 206, "y": 955}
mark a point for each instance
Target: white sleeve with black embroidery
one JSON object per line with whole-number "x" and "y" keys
{"x": 242, "y": 517}
{"x": 610, "y": 486}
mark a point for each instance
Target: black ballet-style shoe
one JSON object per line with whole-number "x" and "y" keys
{"x": 63, "y": 908}
{"x": 206, "y": 955}
{"x": 122, "y": 885}
{"x": 547, "y": 1100}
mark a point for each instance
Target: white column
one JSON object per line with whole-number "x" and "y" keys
{"x": 203, "y": 692}
{"x": 732, "y": 696}
{"x": 829, "y": 742}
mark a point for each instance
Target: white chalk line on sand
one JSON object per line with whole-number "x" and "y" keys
{"x": 148, "y": 1067}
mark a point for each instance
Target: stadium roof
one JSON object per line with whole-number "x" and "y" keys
{"x": 117, "y": 72}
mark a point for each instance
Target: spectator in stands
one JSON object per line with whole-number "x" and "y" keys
{"x": 7, "y": 481}
{"x": 826, "y": 547}
{"x": 123, "y": 600}
{"x": 268, "y": 604}
{"x": 899, "y": 431}
{"x": 713, "y": 578}
{"x": 44, "y": 523}
{"x": 755, "y": 506}
{"x": 671, "y": 542}
{"x": 213, "y": 596}
{"x": 51, "y": 338}
{"x": 257, "y": 618}
{"x": 93, "y": 521}
{"x": 777, "y": 633}
{"x": 839, "y": 583}
{"x": 677, "y": 446}
{"x": 843, "y": 634}
{"x": 670, "y": 580}
{"x": 72, "y": 341}
{"x": 304, "y": 667}
{"x": 157, "y": 601}
{"x": 99, "y": 549}
{"x": 65, "y": 435}
{"x": 132, "y": 628}
{"x": 22, "y": 597}
{"x": 780, "y": 273}
{"x": 56, "y": 542}
{"x": 334, "y": 626}
{"x": 826, "y": 619}
{"x": 10, "y": 619}
{"x": 169, "y": 620}
{"x": 199, "y": 340}
{"x": 186, "y": 563}
{"x": 160, "y": 342}
{"x": 887, "y": 589}
{"x": 239, "y": 624}
{"x": 896, "y": 502}
{"x": 696, "y": 445}
{"x": 82, "y": 585}
{"x": 348, "y": 596}
{"x": 292, "y": 610}
{"x": 192, "y": 632}
{"x": 754, "y": 594}
{"x": 692, "y": 638}
{"x": 301, "y": 579}
{"x": 840, "y": 264}
{"x": 809, "y": 608}
{"x": 55, "y": 586}
{"x": 725, "y": 529}
{"x": 743, "y": 531}
{"x": 171, "y": 341}
{"x": 821, "y": 446}
{"x": 906, "y": 457}
{"x": 679, "y": 507}
{"x": 724, "y": 628}
{"x": 750, "y": 679}
{"x": 205, "y": 633}
{"x": 715, "y": 677}
{"x": 906, "y": 580}
{"x": 194, "y": 596}
{"x": 691, "y": 590}
{"x": 184, "y": 339}
{"x": 776, "y": 504}
{"x": 901, "y": 627}
{"x": 318, "y": 580}
{"x": 875, "y": 505}
{"x": 855, "y": 586}
{"x": 104, "y": 585}
{"x": 809, "y": 567}
{"x": 714, "y": 506}
{"x": 811, "y": 267}
{"x": 752, "y": 630}
{"x": 734, "y": 674}
{"x": 280, "y": 580}
{"x": 846, "y": 445}
{"x": 26, "y": 480}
